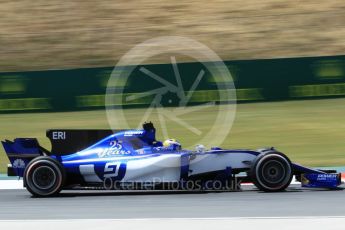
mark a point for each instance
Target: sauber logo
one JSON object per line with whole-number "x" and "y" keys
{"x": 18, "y": 164}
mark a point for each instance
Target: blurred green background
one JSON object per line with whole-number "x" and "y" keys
{"x": 310, "y": 132}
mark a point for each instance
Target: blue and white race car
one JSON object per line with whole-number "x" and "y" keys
{"x": 116, "y": 159}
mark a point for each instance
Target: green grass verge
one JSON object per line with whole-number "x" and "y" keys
{"x": 310, "y": 132}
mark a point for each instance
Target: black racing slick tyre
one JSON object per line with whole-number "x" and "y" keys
{"x": 271, "y": 172}
{"x": 44, "y": 177}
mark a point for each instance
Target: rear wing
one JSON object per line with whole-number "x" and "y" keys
{"x": 20, "y": 152}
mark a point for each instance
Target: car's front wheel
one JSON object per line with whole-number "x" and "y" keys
{"x": 271, "y": 172}
{"x": 44, "y": 176}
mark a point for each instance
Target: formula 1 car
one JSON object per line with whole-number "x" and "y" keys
{"x": 93, "y": 158}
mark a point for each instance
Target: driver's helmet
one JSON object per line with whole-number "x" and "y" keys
{"x": 172, "y": 144}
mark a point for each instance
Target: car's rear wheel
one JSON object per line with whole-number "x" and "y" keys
{"x": 44, "y": 176}
{"x": 271, "y": 172}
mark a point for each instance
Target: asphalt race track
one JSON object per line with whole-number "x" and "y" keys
{"x": 18, "y": 204}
